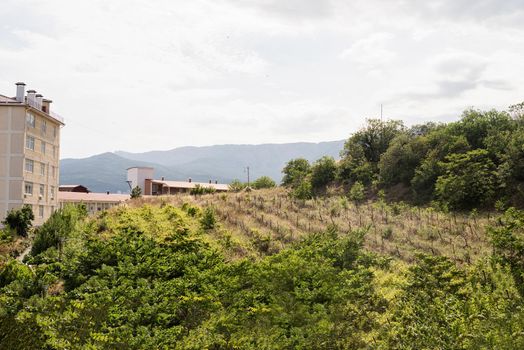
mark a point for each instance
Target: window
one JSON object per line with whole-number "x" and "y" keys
{"x": 42, "y": 191}
{"x": 41, "y": 211}
{"x": 29, "y": 165}
{"x": 28, "y": 188}
{"x": 52, "y": 171}
{"x": 30, "y": 120}
{"x": 54, "y": 131}
{"x": 42, "y": 169}
{"x": 42, "y": 147}
{"x": 52, "y": 192}
{"x": 44, "y": 127}
{"x": 54, "y": 151}
{"x": 30, "y": 142}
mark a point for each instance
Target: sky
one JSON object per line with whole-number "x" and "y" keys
{"x": 140, "y": 75}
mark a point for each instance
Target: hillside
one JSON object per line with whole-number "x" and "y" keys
{"x": 107, "y": 171}
{"x": 259, "y": 270}
{"x": 271, "y": 219}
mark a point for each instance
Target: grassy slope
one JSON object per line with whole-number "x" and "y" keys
{"x": 262, "y": 222}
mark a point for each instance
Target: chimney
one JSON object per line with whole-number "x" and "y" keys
{"x": 216, "y": 182}
{"x": 46, "y": 105}
{"x": 189, "y": 180}
{"x": 20, "y": 92}
{"x": 39, "y": 98}
{"x": 163, "y": 178}
{"x": 31, "y": 97}
{"x": 209, "y": 181}
{"x": 107, "y": 192}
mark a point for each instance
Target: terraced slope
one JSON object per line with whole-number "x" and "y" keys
{"x": 265, "y": 221}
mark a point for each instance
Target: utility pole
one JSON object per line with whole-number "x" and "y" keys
{"x": 247, "y": 169}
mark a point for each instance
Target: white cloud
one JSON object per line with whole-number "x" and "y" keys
{"x": 371, "y": 53}
{"x": 140, "y": 75}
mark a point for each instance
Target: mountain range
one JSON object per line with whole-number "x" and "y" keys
{"x": 223, "y": 163}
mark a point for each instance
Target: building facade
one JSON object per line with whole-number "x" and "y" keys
{"x": 143, "y": 178}
{"x": 94, "y": 202}
{"x": 29, "y": 154}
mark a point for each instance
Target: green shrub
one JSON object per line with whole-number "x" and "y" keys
{"x": 264, "y": 182}
{"x": 19, "y": 220}
{"x": 208, "y": 220}
{"x": 303, "y": 191}
{"x": 237, "y": 186}
{"x": 136, "y": 192}
{"x": 357, "y": 192}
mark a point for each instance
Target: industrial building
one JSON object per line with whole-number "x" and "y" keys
{"x": 143, "y": 177}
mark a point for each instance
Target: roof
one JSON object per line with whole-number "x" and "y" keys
{"x": 92, "y": 197}
{"x": 5, "y": 99}
{"x": 140, "y": 167}
{"x": 73, "y": 188}
{"x": 187, "y": 184}
{"x": 50, "y": 115}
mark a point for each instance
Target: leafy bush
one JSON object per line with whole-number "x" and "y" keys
{"x": 469, "y": 180}
{"x": 200, "y": 190}
{"x": 208, "y": 219}
{"x": 357, "y": 192}
{"x": 264, "y": 182}
{"x": 136, "y": 192}
{"x": 303, "y": 191}
{"x": 19, "y": 220}
{"x": 295, "y": 172}
{"x": 57, "y": 228}
{"x": 237, "y": 186}
{"x": 323, "y": 172}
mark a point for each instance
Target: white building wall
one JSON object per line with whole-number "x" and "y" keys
{"x": 138, "y": 175}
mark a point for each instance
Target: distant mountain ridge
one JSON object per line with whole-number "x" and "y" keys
{"x": 107, "y": 171}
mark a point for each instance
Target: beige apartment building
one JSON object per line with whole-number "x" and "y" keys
{"x": 29, "y": 153}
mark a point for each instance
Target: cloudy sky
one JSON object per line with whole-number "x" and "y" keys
{"x": 139, "y": 75}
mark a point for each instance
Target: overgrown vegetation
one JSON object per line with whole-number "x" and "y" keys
{"x": 19, "y": 220}
{"x": 471, "y": 163}
{"x": 163, "y": 277}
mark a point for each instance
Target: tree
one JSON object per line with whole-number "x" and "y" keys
{"x": 264, "y": 182}
{"x": 469, "y": 180}
{"x": 19, "y": 220}
{"x": 398, "y": 163}
{"x": 323, "y": 172}
{"x": 357, "y": 192}
{"x": 373, "y": 139}
{"x": 362, "y": 151}
{"x": 136, "y": 192}
{"x": 295, "y": 172}
{"x": 57, "y": 228}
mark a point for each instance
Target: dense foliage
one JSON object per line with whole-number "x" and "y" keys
{"x": 470, "y": 163}
{"x": 19, "y": 220}
{"x": 158, "y": 277}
